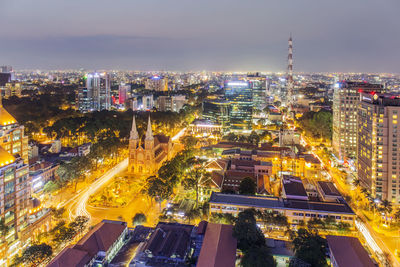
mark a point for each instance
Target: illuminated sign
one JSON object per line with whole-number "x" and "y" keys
{"x": 237, "y": 84}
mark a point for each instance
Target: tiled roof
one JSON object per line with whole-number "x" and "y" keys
{"x": 101, "y": 237}
{"x": 169, "y": 239}
{"x": 219, "y": 247}
{"x": 70, "y": 256}
{"x": 274, "y": 202}
{"x": 329, "y": 188}
{"x": 348, "y": 251}
{"x": 250, "y": 201}
{"x": 293, "y": 186}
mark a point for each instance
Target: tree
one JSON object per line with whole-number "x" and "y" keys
{"x": 257, "y": 257}
{"x": 253, "y": 138}
{"x": 139, "y": 219}
{"x": 247, "y": 186}
{"x": 246, "y": 231}
{"x": 310, "y": 247}
{"x": 58, "y": 213}
{"x": 79, "y": 224}
{"x": 192, "y": 214}
{"x": 158, "y": 188}
{"x": 34, "y": 255}
{"x": 232, "y": 137}
{"x": 50, "y": 187}
{"x": 3, "y": 228}
{"x": 194, "y": 179}
{"x": 224, "y": 218}
{"x": 189, "y": 142}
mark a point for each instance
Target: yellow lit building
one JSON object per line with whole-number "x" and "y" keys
{"x": 146, "y": 157}
{"x": 12, "y": 137}
{"x": 14, "y": 201}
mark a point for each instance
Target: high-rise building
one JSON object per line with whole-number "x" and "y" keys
{"x": 345, "y": 101}
{"x": 123, "y": 93}
{"x": 218, "y": 112}
{"x": 171, "y": 103}
{"x": 13, "y": 89}
{"x": 147, "y": 102}
{"x": 12, "y": 137}
{"x": 99, "y": 89}
{"x": 239, "y": 94}
{"x": 96, "y": 95}
{"x": 8, "y": 70}
{"x": 258, "y": 85}
{"x": 378, "y": 154}
{"x": 156, "y": 83}
{"x": 84, "y": 100}
{"x": 15, "y": 190}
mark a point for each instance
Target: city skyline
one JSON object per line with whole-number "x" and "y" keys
{"x": 328, "y": 37}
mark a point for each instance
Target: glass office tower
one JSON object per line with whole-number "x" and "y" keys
{"x": 239, "y": 94}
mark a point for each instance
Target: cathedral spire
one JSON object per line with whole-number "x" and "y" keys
{"x": 149, "y": 132}
{"x": 134, "y": 134}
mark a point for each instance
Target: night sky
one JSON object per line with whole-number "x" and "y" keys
{"x": 226, "y": 35}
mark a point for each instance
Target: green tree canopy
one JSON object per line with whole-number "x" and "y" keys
{"x": 139, "y": 219}
{"x": 247, "y": 186}
{"x": 34, "y": 255}
{"x": 246, "y": 231}
{"x": 310, "y": 247}
{"x": 258, "y": 257}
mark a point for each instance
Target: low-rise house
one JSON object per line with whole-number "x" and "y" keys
{"x": 97, "y": 248}
{"x": 297, "y": 211}
{"x": 169, "y": 245}
{"x": 293, "y": 188}
{"x": 42, "y": 172}
{"x": 218, "y": 246}
{"x": 347, "y": 251}
{"x": 328, "y": 192}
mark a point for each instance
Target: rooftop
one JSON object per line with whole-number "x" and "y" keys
{"x": 293, "y": 186}
{"x": 169, "y": 240}
{"x": 219, "y": 246}
{"x": 5, "y": 157}
{"x": 70, "y": 256}
{"x": 267, "y": 202}
{"x": 329, "y": 189}
{"x": 5, "y": 117}
{"x": 101, "y": 237}
{"x": 346, "y": 250}
{"x": 242, "y": 200}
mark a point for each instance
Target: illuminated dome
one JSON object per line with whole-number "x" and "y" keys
{"x": 5, "y": 157}
{"x": 5, "y": 117}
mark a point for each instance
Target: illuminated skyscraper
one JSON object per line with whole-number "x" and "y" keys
{"x": 346, "y": 98}
{"x": 217, "y": 111}
{"x": 99, "y": 90}
{"x": 15, "y": 190}
{"x": 240, "y": 96}
{"x": 123, "y": 93}
{"x": 378, "y": 142}
{"x": 258, "y": 85}
{"x": 157, "y": 83}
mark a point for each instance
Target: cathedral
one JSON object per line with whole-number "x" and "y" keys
{"x": 147, "y": 155}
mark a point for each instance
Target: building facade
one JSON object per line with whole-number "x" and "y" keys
{"x": 97, "y": 93}
{"x": 157, "y": 83}
{"x": 239, "y": 94}
{"x": 258, "y": 85}
{"x": 345, "y": 102}
{"x": 218, "y": 112}
{"x": 147, "y": 156}
{"x": 378, "y": 157}
{"x": 12, "y": 136}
